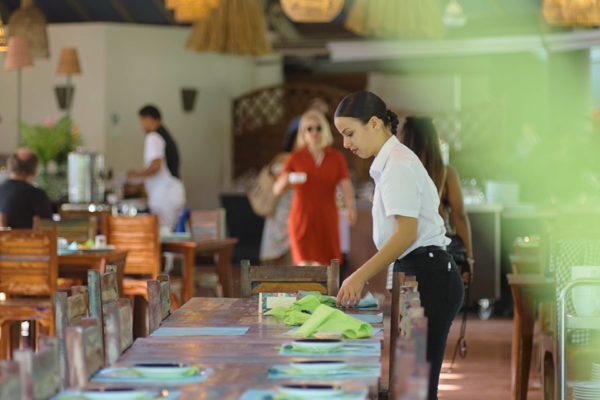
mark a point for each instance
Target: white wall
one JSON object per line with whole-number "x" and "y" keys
{"x": 39, "y": 101}
{"x": 127, "y": 66}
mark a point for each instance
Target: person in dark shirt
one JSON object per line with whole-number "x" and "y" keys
{"x": 20, "y": 201}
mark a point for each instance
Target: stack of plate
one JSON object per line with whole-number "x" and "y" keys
{"x": 586, "y": 391}
{"x": 596, "y": 372}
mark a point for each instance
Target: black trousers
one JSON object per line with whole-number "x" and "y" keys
{"x": 441, "y": 290}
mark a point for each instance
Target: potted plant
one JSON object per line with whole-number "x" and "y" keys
{"x": 51, "y": 142}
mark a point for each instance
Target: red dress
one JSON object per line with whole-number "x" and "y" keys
{"x": 313, "y": 225}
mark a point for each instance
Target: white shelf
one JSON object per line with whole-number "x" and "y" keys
{"x": 583, "y": 322}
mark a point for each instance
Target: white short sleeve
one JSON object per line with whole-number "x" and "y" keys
{"x": 400, "y": 191}
{"x": 154, "y": 147}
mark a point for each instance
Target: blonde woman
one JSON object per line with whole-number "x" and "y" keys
{"x": 314, "y": 172}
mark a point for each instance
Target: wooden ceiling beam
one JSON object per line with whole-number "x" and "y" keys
{"x": 166, "y": 13}
{"x": 123, "y": 13}
{"x": 83, "y": 14}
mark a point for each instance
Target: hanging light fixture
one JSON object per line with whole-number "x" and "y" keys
{"x": 393, "y": 19}
{"x": 234, "y": 27}
{"x": 173, "y": 4}
{"x": 572, "y": 13}
{"x": 30, "y": 23}
{"x": 17, "y": 58}
{"x": 453, "y": 14}
{"x": 312, "y": 10}
{"x": 191, "y": 12}
{"x": 3, "y": 39}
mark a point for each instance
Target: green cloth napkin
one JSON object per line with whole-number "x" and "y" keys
{"x": 328, "y": 319}
{"x": 131, "y": 372}
{"x": 367, "y": 302}
{"x": 296, "y": 318}
{"x": 294, "y": 315}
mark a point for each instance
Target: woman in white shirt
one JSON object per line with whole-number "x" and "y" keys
{"x": 407, "y": 228}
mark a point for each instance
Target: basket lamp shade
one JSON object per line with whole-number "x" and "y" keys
{"x": 312, "y": 10}
{"x": 17, "y": 57}
{"x": 173, "y": 4}
{"x": 3, "y": 39}
{"x": 30, "y": 23}
{"x": 68, "y": 65}
{"x": 572, "y": 13}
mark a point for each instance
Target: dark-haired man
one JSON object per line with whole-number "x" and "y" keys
{"x": 166, "y": 193}
{"x": 20, "y": 201}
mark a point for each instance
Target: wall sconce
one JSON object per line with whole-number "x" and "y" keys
{"x": 64, "y": 96}
{"x": 188, "y": 98}
{"x": 68, "y": 65}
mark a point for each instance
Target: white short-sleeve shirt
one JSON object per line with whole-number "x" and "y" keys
{"x": 403, "y": 187}
{"x": 154, "y": 147}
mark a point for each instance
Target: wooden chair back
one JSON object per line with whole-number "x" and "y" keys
{"x": 28, "y": 262}
{"x": 115, "y": 313}
{"x": 526, "y": 264}
{"x": 40, "y": 374}
{"x": 2, "y": 220}
{"x": 77, "y": 230}
{"x": 84, "y": 351}
{"x": 68, "y": 311}
{"x": 140, "y": 235}
{"x": 290, "y": 279}
{"x": 10, "y": 381}
{"x": 159, "y": 301}
{"x": 208, "y": 224}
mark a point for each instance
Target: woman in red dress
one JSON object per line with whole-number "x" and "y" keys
{"x": 314, "y": 172}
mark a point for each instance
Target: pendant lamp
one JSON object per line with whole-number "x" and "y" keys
{"x": 191, "y": 12}
{"x": 572, "y": 12}
{"x": 173, "y": 4}
{"x": 312, "y": 10}
{"x": 30, "y": 23}
{"x": 234, "y": 27}
{"x": 17, "y": 58}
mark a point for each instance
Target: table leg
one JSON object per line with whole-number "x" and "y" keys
{"x": 187, "y": 273}
{"x": 224, "y": 269}
{"x": 523, "y": 324}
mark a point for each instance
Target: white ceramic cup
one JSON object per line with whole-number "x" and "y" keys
{"x": 587, "y": 306}
{"x": 100, "y": 241}
{"x": 297, "y": 177}
{"x": 62, "y": 243}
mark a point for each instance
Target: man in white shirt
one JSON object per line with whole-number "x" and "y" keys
{"x": 166, "y": 193}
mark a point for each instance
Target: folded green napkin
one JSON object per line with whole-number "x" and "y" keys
{"x": 296, "y": 318}
{"x": 367, "y": 302}
{"x": 328, "y": 319}
{"x": 131, "y": 372}
{"x": 294, "y": 315}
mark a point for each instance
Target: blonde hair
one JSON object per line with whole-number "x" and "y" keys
{"x": 326, "y": 136}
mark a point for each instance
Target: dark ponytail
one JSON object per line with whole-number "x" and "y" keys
{"x": 363, "y": 105}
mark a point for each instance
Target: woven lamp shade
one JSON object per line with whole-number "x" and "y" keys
{"x": 235, "y": 27}
{"x": 572, "y": 12}
{"x": 68, "y": 64}
{"x": 3, "y": 39}
{"x": 312, "y": 10}
{"x": 17, "y": 56}
{"x": 406, "y": 19}
{"x": 30, "y": 23}
{"x": 191, "y": 12}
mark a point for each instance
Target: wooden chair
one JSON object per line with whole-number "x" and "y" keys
{"x": 77, "y": 230}
{"x": 28, "y": 269}
{"x": 140, "y": 235}
{"x": 10, "y": 381}
{"x": 290, "y": 279}
{"x": 115, "y": 313}
{"x": 2, "y": 220}
{"x": 207, "y": 224}
{"x": 68, "y": 311}
{"x": 84, "y": 351}
{"x": 159, "y": 301}
{"x": 40, "y": 372}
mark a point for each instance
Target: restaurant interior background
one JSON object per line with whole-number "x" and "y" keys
{"x": 513, "y": 87}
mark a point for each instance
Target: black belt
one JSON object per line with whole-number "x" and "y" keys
{"x": 424, "y": 249}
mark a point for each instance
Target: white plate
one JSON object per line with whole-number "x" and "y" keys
{"x": 96, "y": 249}
{"x": 113, "y": 394}
{"x": 595, "y": 386}
{"x": 162, "y": 372}
{"x": 319, "y": 367}
{"x": 310, "y": 391}
{"x": 318, "y": 344}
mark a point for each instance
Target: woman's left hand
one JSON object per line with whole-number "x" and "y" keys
{"x": 351, "y": 215}
{"x": 351, "y": 291}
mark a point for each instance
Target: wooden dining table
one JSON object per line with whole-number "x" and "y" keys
{"x": 241, "y": 362}
{"x": 75, "y": 266}
{"x": 222, "y": 249}
{"x": 528, "y": 290}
